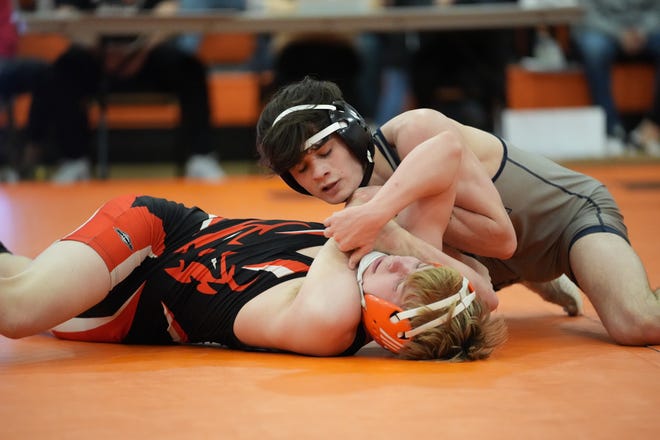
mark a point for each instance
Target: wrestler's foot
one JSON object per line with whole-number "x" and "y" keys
{"x": 561, "y": 291}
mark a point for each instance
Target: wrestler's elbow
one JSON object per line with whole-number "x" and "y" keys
{"x": 334, "y": 342}
{"x": 505, "y": 243}
{"x": 509, "y": 248}
{"x": 329, "y": 335}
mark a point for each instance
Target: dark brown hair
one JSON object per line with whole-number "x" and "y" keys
{"x": 280, "y": 146}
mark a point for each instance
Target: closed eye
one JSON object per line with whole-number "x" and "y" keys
{"x": 401, "y": 282}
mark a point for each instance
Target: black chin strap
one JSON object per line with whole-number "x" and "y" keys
{"x": 368, "y": 171}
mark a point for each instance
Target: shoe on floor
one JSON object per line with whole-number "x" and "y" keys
{"x": 8, "y": 175}
{"x": 616, "y": 144}
{"x": 615, "y": 147}
{"x": 561, "y": 291}
{"x": 204, "y": 167}
{"x": 646, "y": 138}
{"x": 73, "y": 170}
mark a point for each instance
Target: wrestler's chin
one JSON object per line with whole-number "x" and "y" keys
{"x": 334, "y": 195}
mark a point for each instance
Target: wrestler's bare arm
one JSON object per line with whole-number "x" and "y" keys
{"x": 318, "y": 316}
{"x": 398, "y": 241}
{"x": 479, "y": 222}
{"x": 395, "y": 240}
{"x": 417, "y": 180}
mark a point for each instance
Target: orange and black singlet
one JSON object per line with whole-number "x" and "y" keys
{"x": 187, "y": 273}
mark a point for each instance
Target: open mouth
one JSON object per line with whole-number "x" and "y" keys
{"x": 329, "y": 187}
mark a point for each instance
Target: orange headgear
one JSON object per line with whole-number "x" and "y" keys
{"x": 390, "y": 326}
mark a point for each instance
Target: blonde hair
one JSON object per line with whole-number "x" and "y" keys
{"x": 471, "y": 335}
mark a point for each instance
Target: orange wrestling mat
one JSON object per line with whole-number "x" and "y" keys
{"x": 556, "y": 377}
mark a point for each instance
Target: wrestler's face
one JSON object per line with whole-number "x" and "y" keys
{"x": 385, "y": 277}
{"x": 329, "y": 172}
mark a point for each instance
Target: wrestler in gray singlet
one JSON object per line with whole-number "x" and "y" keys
{"x": 550, "y": 207}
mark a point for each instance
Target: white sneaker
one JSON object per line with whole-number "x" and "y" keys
{"x": 615, "y": 147}
{"x": 205, "y": 167}
{"x": 647, "y": 145}
{"x": 73, "y": 171}
{"x": 653, "y": 148}
{"x": 8, "y": 175}
{"x": 561, "y": 291}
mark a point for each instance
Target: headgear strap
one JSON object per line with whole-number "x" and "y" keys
{"x": 323, "y": 133}
{"x": 297, "y": 108}
{"x": 347, "y": 123}
{"x": 394, "y": 342}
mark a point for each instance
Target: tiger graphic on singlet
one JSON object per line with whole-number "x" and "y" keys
{"x": 199, "y": 270}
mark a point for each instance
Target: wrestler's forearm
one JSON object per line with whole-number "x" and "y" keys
{"x": 397, "y": 241}
{"x": 476, "y": 234}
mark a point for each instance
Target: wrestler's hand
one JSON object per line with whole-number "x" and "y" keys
{"x": 355, "y": 229}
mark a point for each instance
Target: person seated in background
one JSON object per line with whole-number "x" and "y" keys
{"x": 461, "y": 73}
{"x": 385, "y": 79}
{"x": 293, "y": 55}
{"x": 119, "y": 64}
{"x": 17, "y": 75}
{"x": 610, "y": 31}
{"x": 145, "y": 270}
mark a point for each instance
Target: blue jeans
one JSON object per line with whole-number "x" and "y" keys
{"x": 20, "y": 75}
{"x": 598, "y": 52}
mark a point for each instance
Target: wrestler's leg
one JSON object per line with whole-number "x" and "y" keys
{"x": 63, "y": 281}
{"x": 612, "y": 276}
{"x": 12, "y": 264}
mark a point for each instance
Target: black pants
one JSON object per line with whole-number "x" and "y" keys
{"x": 322, "y": 59}
{"x": 17, "y": 75}
{"x": 462, "y": 73}
{"x": 60, "y": 102}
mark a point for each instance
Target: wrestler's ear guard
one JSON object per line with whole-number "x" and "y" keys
{"x": 390, "y": 326}
{"x": 345, "y": 121}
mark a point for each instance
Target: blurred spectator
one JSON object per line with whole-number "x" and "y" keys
{"x": 613, "y": 30}
{"x": 259, "y": 62}
{"x": 321, "y": 55}
{"x": 646, "y": 136}
{"x": 190, "y": 42}
{"x": 385, "y": 79}
{"x": 17, "y": 75}
{"x": 462, "y": 73}
{"x": 122, "y": 64}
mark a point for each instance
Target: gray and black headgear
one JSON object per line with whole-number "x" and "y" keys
{"x": 347, "y": 123}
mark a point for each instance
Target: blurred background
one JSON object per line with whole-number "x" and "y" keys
{"x": 532, "y": 83}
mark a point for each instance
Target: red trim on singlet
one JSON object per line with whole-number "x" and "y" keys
{"x": 119, "y": 229}
{"x": 114, "y": 328}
